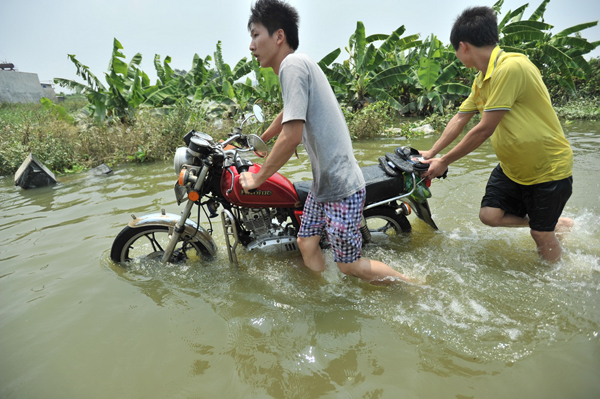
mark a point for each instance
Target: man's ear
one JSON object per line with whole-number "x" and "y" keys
{"x": 280, "y": 37}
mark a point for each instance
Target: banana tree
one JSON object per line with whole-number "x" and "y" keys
{"x": 223, "y": 86}
{"x": 266, "y": 87}
{"x": 365, "y": 77}
{"x": 124, "y": 91}
{"x": 125, "y": 82}
{"x": 559, "y": 57}
{"x": 172, "y": 87}
{"x": 434, "y": 81}
{"x": 94, "y": 90}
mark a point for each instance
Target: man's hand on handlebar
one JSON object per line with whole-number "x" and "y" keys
{"x": 249, "y": 181}
{"x": 437, "y": 168}
{"x": 427, "y": 154}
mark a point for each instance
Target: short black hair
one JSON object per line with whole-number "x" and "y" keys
{"x": 275, "y": 15}
{"x": 477, "y": 26}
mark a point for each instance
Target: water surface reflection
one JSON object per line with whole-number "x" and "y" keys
{"x": 490, "y": 319}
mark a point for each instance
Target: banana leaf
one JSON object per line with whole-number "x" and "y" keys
{"x": 376, "y": 37}
{"x": 448, "y": 73}
{"x": 574, "y": 42}
{"x": 366, "y": 62}
{"x": 428, "y": 72}
{"x": 117, "y": 65}
{"x": 241, "y": 69}
{"x": 526, "y": 25}
{"x": 577, "y": 28}
{"x": 360, "y": 42}
{"x": 383, "y": 95}
{"x": 390, "y": 77}
{"x": 133, "y": 65}
{"x": 539, "y": 12}
{"x": 454, "y": 88}
{"x": 329, "y": 58}
{"x": 523, "y": 36}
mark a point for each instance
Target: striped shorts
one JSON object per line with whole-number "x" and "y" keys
{"x": 340, "y": 219}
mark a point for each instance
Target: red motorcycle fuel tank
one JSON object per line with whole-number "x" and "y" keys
{"x": 276, "y": 192}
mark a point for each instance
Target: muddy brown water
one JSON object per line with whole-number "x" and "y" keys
{"x": 489, "y": 321}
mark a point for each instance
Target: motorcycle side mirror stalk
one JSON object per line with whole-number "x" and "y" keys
{"x": 256, "y": 113}
{"x": 255, "y": 142}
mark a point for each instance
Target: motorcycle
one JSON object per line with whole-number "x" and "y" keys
{"x": 269, "y": 217}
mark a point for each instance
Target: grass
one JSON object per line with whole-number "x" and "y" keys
{"x": 70, "y": 144}
{"x": 67, "y": 146}
{"x": 580, "y": 109}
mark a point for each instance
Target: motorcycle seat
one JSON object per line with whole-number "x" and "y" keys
{"x": 302, "y": 188}
{"x": 379, "y": 185}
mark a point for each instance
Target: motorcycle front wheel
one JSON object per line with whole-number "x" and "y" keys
{"x": 148, "y": 242}
{"x": 384, "y": 221}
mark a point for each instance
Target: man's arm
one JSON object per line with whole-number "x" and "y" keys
{"x": 472, "y": 140}
{"x": 274, "y": 129}
{"x": 450, "y": 133}
{"x": 289, "y": 138}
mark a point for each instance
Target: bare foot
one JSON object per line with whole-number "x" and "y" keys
{"x": 564, "y": 225}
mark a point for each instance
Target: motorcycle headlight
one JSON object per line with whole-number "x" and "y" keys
{"x": 182, "y": 157}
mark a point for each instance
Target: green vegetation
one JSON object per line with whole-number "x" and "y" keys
{"x": 66, "y": 147}
{"x": 383, "y": 79}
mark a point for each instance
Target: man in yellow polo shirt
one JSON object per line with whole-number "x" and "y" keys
{"x": 533, "y": 181}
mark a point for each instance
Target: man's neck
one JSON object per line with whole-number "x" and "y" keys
{"x": 481, "y": 57}
{"x": 281, "y": 56}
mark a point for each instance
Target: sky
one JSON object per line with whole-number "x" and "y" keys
{"x": 37, "y": 35}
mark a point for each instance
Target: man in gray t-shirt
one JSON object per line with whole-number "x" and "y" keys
{"x": 311, "y": 115}
{"x": 307, "y": 96}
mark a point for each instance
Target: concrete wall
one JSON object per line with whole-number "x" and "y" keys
{"x": 23, "y": 87}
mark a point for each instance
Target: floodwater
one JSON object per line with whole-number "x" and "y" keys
{"x": 489, "y": 319}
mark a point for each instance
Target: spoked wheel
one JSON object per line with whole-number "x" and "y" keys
{"x": 384, "y": 222}
{"x": 149, "y": 242}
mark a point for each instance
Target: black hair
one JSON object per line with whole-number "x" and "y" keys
{"x": 477, "y": 26}
{"x": 275, "y": 15}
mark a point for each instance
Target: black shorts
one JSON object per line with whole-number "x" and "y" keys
{"x": 543, "y": 203}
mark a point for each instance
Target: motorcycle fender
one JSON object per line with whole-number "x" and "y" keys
{"x": 191, "y": 230}
{"x": 423, "y": 212}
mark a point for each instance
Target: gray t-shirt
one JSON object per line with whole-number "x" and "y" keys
{"x": 308, "y": 96}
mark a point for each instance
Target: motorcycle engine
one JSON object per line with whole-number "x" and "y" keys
{"x": 268, "y": 232}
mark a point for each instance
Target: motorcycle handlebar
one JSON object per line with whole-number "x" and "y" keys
{"x": 232, "y": 138}
{"x": 242, "y": 165}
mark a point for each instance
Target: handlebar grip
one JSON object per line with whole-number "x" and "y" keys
{"x": 242, "y": 165}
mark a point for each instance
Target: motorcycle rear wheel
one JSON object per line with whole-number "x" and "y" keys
{"x": 148, "y": 242}
{"x": 384, "y": 220}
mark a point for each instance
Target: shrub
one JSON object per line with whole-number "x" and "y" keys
{"x": 370, "y": 121}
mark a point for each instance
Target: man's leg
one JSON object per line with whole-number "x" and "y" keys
{"x": 564, "y": 225}
{"x": 309, "y": 236}
{"x": 545, "y": 204}
{"x": 502, "y": 204}
{"x": 547, "y": 245}
{"x": 312, "y": 253}
{"x": 372, "y": 271}
{"x": 343, "y": 229}
{"x": 496, "y": 217}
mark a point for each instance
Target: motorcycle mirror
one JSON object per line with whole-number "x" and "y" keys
{"x": 258, "y": 113}
{"x": 257, "y": 145}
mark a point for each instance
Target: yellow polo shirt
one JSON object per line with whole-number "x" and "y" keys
{"x": 529, "y": 141}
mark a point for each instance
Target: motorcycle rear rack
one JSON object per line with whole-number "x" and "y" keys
{"x": 414, "y": 185}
